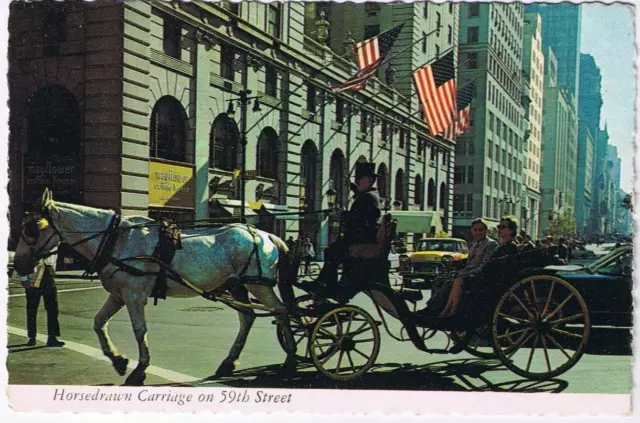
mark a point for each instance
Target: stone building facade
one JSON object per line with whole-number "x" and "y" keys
{"x": 137, "y": 107}
{"x": 533, "y": 72}
{"x": 488, "y": 171}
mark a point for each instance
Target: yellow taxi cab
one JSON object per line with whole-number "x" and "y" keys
{"x": 432, "y": 255}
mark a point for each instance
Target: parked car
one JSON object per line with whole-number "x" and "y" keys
{"x": 432, "y": 255}
{"x": 579, "y": 252}
{"x": 606, "y": 285}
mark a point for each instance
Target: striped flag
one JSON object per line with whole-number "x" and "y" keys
{"x": 370, "y": 55}
{"x": 436, "y": 87}
{"x": 462, "y": 119}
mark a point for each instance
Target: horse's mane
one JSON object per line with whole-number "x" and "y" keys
{"x": 127, "y": 221}
{"x": 82, "y": 208}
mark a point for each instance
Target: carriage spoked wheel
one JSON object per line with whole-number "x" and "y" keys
{"x": 540, "y": 327}
{"x": 345, "y": 343}
{"x": 301, "y": 329}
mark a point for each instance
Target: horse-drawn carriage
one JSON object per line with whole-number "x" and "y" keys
{"x": 536, "y": 324}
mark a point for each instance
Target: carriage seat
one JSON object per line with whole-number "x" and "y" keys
{"x": 386, "y": 234}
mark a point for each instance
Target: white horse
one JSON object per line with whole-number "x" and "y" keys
{"x": 209, "y": 257}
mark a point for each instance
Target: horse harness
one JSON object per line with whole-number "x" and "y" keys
{"x": 168, "y": 242}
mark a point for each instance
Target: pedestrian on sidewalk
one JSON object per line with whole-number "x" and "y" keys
{"x": 308, "y": 253}
{"x": 46, "y": 290}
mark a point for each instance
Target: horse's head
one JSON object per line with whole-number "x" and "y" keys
{"x": 38, "y": 236}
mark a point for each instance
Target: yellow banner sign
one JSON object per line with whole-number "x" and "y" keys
{"x": 171, "y": 185}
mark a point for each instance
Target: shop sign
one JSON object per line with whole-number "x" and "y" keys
{"x": 61, "y": 175}
{"x": 171, "y": 185}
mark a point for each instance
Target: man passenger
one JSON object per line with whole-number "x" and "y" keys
{"x": 480, "y": 254}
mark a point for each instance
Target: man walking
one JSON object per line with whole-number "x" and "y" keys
{"x": 48, "y": 291}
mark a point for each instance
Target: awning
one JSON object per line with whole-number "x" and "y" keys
{"x": 232, "y": 207}
{"x": 417, "y": 221}
{"x": 279, "y": 211}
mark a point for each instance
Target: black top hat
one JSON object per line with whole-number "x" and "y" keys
{"x": 365, "y": 169}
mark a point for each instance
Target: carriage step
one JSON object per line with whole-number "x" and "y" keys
{"x": 409, "y": 294}
{"x": 416, "y": 284}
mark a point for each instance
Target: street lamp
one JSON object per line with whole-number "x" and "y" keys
{"x": 244, "y": 98}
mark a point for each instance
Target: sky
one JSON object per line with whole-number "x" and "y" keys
{"x": 608, "y": 35}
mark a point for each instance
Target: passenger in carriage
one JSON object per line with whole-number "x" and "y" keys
{"x": 360, "y": 227}
{"x": 480, "y": 253}
{"x": 507, "y": 231}
{"x": 527, "y": 243}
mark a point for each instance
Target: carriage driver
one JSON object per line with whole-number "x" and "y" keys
{"x": 360, "y": 226}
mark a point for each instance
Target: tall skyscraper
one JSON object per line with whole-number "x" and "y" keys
{"x": 561, "y": 30}
{"x": 590, "y": 105}
{"x": 601, "y": 182}
{"x": 533, "y": 72}
{"x": 614, "y": 164}
{"x": 559, "y": 152}
{"x": 488, "y": 171}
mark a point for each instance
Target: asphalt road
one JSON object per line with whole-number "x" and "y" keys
{"x": 188, "y": 339}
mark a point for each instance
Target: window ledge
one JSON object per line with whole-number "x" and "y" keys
{"x": 306, "y": 114}
{"x": 337, "y": 126}
{"x": 168, "y": 62}
{"x": 226, "y": 84}
{"x": 269, "y": 100}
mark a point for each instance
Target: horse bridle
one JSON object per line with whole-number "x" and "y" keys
{"x": 38, "y": 255}
{"x": 108, "y": 240}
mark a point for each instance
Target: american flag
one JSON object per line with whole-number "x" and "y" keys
{"x": 436, "y": 86}
{"x": 370, "y": 54}
{"x": 462, "y": 119}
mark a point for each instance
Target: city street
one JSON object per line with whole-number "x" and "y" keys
{"x": 188, "y": 338}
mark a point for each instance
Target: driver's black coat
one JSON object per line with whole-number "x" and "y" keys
{"x": 361, "y": 221}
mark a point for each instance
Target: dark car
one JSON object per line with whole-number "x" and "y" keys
{"x": 606, "y": 285}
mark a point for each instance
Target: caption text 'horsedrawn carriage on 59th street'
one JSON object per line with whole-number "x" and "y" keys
{"x": 533, "y": 321}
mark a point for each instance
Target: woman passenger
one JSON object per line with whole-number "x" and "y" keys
{"x": 507, "y": 232}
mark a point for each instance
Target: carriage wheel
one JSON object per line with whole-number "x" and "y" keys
{"x": 345, "y": 343}
{"x": 301, "y": 329}
{"x": 540, "y": 327}
{"x": 478, "y": 343}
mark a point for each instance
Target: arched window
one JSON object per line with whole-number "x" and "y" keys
{"x": 267, "y": 157}
{"x": 431, "y": 193}
{"x": 53, "y": 123}
{"x": 443, "y": 195}
{"x": 418, "y": 190}
{"x": 168, "y": 131}
{"x": 399, "y": 194}
{"x": 337, "y": 175}
{"x": 223, "y": 144}
{"x": 308, "y": 166}
{"x": 383, "y": 180}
